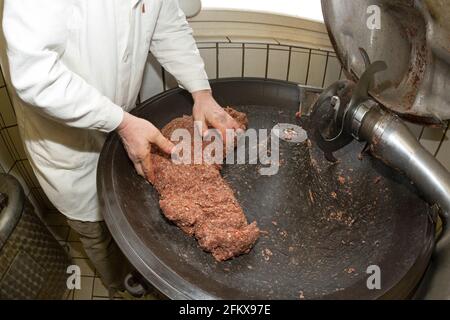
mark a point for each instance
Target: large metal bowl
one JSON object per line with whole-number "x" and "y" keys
{"x": 315, "y": 255}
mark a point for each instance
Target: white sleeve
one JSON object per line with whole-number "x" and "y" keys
{"x": 35, "y": 32}
{"x": 174, "y": 47}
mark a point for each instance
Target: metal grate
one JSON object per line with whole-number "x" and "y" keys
{"x": 321, "y": 70}
{"x": 299, "y": 64}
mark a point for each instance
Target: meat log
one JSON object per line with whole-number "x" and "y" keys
{"x": 200, "y": 202}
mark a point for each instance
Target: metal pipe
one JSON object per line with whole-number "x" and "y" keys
{"x": 392, "y": 142}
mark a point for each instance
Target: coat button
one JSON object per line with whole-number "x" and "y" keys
{"x": 126, "y": 57}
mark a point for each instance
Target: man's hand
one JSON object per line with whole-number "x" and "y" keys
{"x": 137, "y": 136}
{"x": 208, "y": 111}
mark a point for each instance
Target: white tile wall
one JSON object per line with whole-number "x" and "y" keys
{"x": 316, "y": 68}
{"x": 8, "y": 141}
{"x": 7, "y": 113}
{"x": 208, "y": 53}
{"x": 432, "y": 138}
{"x": 12, "y": 154}
{"x": 17, "y": 142}
{"x": 21, "y": 167}
{"x": 230, "y": 60}
{"x": 17, "y": 171}
{"x": 36, "y": 204}
{"x": 415, "y": 128}
{"x": 299, "y": 65}
{"x": 6, "y": 158}
{"x": 85, "y": 293}
{"x": 30, "y": 173}
{"x": 99, "y": 289}
{"x": 86, "y": 267}
{"x": 208, "y": 50}
{"x": 255, "y": 60}
{"x": 333, "y": 71}
{"x": 278, "y": 62}
{"x": 444, "y": 153}
{"x": 2, "y": 81}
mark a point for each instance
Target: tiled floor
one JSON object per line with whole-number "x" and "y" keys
{"x": 91, "y": 285}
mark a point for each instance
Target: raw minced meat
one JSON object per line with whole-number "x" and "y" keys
{"x": 200, "y": 202}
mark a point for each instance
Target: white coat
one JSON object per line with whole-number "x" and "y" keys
{"x": 76, "y": 65}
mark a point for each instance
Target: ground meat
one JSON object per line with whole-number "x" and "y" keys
{"x": 199, "y": 201}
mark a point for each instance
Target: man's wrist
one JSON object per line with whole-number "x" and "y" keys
{"x": 125, "y": 121}
{"x": 202, "y": 94}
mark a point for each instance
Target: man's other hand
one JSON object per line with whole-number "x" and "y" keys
{"x": 137, "y": 136}
{"x": 210, "y": 113}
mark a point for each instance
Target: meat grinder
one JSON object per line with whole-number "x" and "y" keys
{"x": 397, "y": 57}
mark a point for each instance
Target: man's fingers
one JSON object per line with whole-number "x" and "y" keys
{"x": 220, "y": 128}
{"x": 224, "y": 121}
{"x": 228, "y": 124}
{"x": 237, "y": 126}
{"x": 200, "y": 122}
{"x": 231, "y": 123}
{"x": 147, "y": 168}
{"x": 144, "y": 168}
{"x": 164, "y": 144}
{"x": 202, "y": 126}
{"x": 139, "y": 170}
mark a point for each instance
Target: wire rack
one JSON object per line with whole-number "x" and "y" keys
{"x": 276, "y": 60}
{"x": 303, "y": 65}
